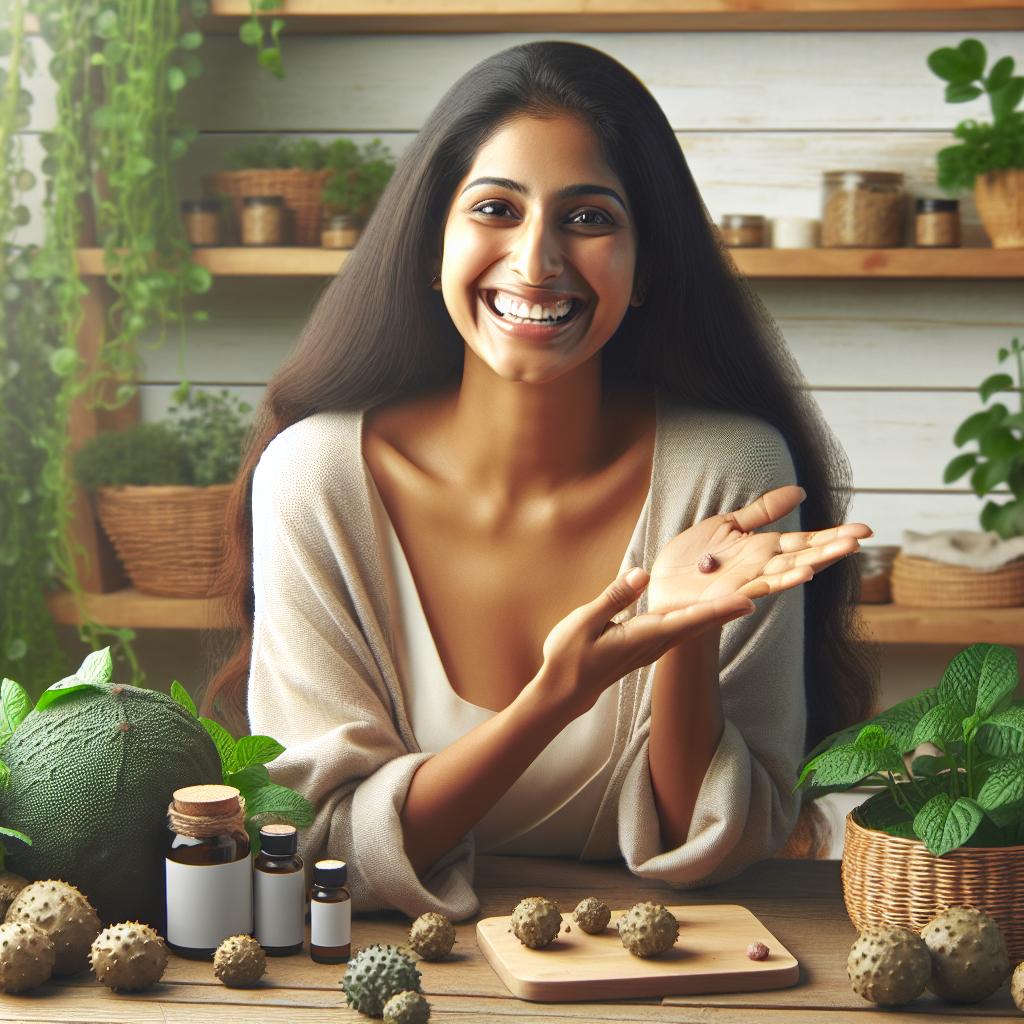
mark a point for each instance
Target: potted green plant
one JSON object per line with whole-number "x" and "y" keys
{"x": 990, "y": 156}
{"x": 274, "y": 167}
{"x": 947, "y": 826}
{"x": 161, "y": 491}
{"x": 357, "y": 180}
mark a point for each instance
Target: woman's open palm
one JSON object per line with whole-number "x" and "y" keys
{"x": 753, "y": 564}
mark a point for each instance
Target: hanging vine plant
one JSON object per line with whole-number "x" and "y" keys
{"x": 118, "y": 67}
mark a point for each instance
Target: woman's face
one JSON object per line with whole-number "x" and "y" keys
{"x": 539, "y": 250}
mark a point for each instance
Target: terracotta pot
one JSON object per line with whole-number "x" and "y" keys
{"x": 999, "y": 197}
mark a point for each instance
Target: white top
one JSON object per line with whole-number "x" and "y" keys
{"x": 550, "y": 809}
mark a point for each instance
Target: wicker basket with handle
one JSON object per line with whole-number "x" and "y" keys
{"x": 301, "y": 190}
{"x": 925, "y": 583}
{"x": 894, "y": 881}
{"x": 169, "y": 538}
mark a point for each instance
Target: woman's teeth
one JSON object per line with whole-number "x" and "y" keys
{"x": 522, "y": 312}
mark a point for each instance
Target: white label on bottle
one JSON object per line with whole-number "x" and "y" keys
{"x": 330, "y": 924}
{"x": 208, "y": 902}
{"x": 280, "y": 908}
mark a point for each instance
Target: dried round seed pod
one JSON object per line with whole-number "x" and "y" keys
{"x": 888, "y": 966}
{"x": 26, "y": 956}
{"x": 647, "y": 929}
{"x": 592, "y": 915}
{"x": 128, "y": 957}
{"x": 757, "y": 951}
{"x": 432, "y": 935}
{"x": 969, "y": 956}
{"x": 1017, "y": 986}
{"x": 708, "y": 562}
{"x": 536, "y": 921}
{"x": 239, "y": 961}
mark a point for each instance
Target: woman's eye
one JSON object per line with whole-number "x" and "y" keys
{"x": 602, "y": 219}
{"x": 489, "y": 205}
{"x": 601, "y": 222}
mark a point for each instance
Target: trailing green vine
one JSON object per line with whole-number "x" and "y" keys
{"x": 118, "y": 67}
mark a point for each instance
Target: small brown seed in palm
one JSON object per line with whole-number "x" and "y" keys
{"x": 708, "y": 562}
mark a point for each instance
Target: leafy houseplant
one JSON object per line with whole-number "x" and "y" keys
{"x": 972, "y": 792}
{"x": 990, "y": 157}
{"x": 358, "y": 178}
{"x": 999, "y": 435}
{"x": 161, "y": 491}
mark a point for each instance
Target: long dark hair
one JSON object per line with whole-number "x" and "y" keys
{"x": 379, "y": 331}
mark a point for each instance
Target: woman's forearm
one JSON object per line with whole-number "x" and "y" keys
{"x": 454, "y": 789}
{"x": 686, "y": 727}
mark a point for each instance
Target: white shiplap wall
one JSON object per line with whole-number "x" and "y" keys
{"x": 759, "y": 115}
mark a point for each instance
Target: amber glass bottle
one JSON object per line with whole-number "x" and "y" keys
{"x": 208, "y": 870}
{"x": 279, "y": 892}
{"x": 330, "y": 907}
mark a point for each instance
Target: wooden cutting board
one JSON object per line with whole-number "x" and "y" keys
{"x": 710, "y": 955}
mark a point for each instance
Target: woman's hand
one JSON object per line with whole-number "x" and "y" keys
{"x": 587, "y": 652}
{"x": 753, "y": 564}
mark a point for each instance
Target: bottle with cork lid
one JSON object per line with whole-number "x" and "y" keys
{"x": 330, "y": 907}
{"x": 279, "y": 892}
{"x": 208, "y": 870}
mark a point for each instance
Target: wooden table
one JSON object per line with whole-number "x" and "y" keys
{"x": 799, "y": 901}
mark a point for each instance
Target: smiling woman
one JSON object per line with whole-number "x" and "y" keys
{"x": 471, "y": 535}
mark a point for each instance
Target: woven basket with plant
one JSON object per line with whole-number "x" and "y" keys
{"x": 947, "y": 829}
{"x": 161, "y": 492}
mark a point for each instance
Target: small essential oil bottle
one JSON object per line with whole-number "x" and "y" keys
{"x": 279, "y": 892}
{"x": 330, "y": 907}
{"x": 208, "y": 870}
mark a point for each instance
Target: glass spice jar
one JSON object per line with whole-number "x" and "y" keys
{"x": 330, "y": 905}
{"x": 862, "y": 209}
{"x": 743, "y": 230}
{"x": 263, "y": 219}
{"x": 202, "y": 221}
{"x": 937, "y": 223}
{"x": 208, "y": 870}
{"x": 339, "y": 231}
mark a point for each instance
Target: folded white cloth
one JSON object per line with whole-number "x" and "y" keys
{"x": 984, "y": 551}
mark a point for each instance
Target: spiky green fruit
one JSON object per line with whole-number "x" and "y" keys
{"x": 128, "y": 957}
{"x": 536, "y": 921}
{"x": 647, "y": 929}
{"x": 432, "y": 935}
{"x": 592, "y": 915}
{"x": 26, "y": 956}
{"x": 889, "y": 966}
{"x": 375, "y": 974}
{"x": 406, "y": 1008}
{"x": 239, "y": 961}
{"x": 969, "y": 957}
{"x": 63, "y": 912}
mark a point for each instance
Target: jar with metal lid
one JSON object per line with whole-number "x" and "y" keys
{"x": 937, "y": 223}
{"x": 202, "y": 221}
{"x": 208, "y": 870}
{"x": 263, "y": 220}
{"x": 743, "y": 230}
{"x": 862, "y": 209}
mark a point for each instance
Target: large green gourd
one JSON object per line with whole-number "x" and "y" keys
{"x": 91, "y": 777}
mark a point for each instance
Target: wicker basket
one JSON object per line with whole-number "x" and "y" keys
{"x": 999, "y": 198}
{"x": 170, "y": 539}
{"x": 301, "y": 190}
{"x": 888, "y": 880}
{"x": 924, "y": 583}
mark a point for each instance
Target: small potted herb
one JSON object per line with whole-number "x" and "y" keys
{"x": 357, "y": 181}
{"x": 990, "y": 156}
{"x": 947, "y": 825}
{"x": 273, "y": 167}
{"x": 161, "y": 491}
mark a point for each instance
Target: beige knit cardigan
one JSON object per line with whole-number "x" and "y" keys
{"x": 323, "y": 673}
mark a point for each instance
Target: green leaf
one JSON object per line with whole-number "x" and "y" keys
{"x": 989, "y": 475}
{"x": 979, "y": 679}
{"x": 997, "y": 382}
{"x": 962, "y": 92}
{"x": 949, "y": 64}
{"x": 191, "y": 40}
{"x": 279, "y": 800}
{"x": 248, "y": 779}
{"x": 106, "y": 24}
{"x": 250, "y": 750}
{"x": 14, "y": 706}
{"x": 848, "y": 764}
{"x": 943, "y": 725}
{"x": 65, "y": 688}
{"x": 971, "y": 428}
{"x": 1000, "y": 444}
{"x": 5, "y": 775}
{"x": 929, "y": 766}
{"x": 176, "y": 79}
{"x": 224, "y": 742}
{"x": 251, "y": 32}
{"x": 1004, "y": 785}
{"x": 13, "y": 833}
{"x": 63, "y": 361}
{"x": 1000, "y": 74}
{"x": 181, "y": 696}
{"x": 958, "y": 466}
{"x": 98, "y": 667}
{"x": 1005, "y": 99}
{"x": 973, "y": 56}
{"x": 944, "y": 825}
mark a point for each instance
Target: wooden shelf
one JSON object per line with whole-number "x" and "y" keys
{"x": 898, "y": 624}
{"x": 142, "y": 611}
{"x": 887, "y": 623}
{"x": 629, "y": 15}
{"x": 293, "y": 261}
